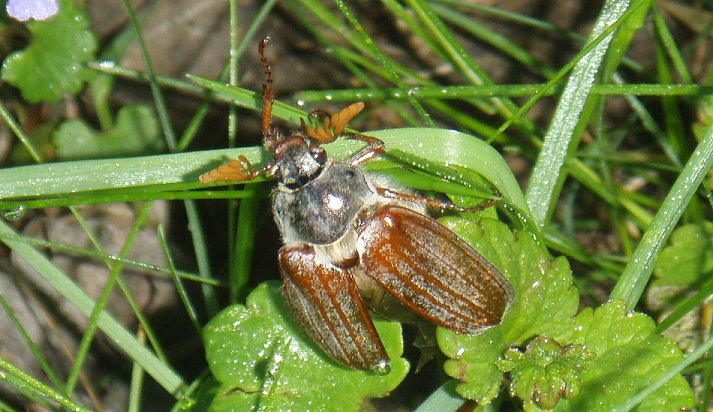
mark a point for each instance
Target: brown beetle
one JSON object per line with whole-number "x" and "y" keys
{"x": 346, "y": 236}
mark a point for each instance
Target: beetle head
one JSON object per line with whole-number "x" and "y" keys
{"x": 297, "y": 161}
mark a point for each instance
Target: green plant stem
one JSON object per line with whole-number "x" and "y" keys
{"x": 46, "y": 367}
{"x": 88, "y": 335}
{"x": 442, "y": 399}
{"x": 161, "y": 106}
{"x": 636, "y": 275}
{"x": 374, "y": 50}
{"x": 17, "y": 130}
{"x": 19, "y": 379}
{"x": 162, "y": 373}
{"x": 180, "y": 288}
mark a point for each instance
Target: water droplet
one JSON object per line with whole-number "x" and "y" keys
{"x": 107, "y": 64}
{"x": 14, "y": 214}
{"x": 300, "y": 103}
{"x": 382, "y": 368}
{"x": 185, "y": 402}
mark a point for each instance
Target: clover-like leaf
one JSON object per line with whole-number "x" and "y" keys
{"x": 688, "y": 258}
{"x": 545, "y": 372}
{"x": 545, "y": 302}
{"x": 265, "y": 361}
{"x": 53, "y": 62}
{"x": 135, "y": 132}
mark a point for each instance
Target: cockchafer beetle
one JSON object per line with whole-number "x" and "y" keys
{"x": 349, "y": 236}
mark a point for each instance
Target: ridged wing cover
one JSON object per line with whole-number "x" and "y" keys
{"x": 432, "y": 271}
{"x": 326, "y": 302}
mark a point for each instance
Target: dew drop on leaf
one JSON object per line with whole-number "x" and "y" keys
{"x": 14, "y": 214}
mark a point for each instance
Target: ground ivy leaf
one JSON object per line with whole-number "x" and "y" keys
{"x": 135, "y": 132}
{"x": 545, "y": 301}
{"x": 53, "y": 63}
{"x": 689, "y": 256}
{"x": 628, "y": 356}
{"x": 264, "y": 360}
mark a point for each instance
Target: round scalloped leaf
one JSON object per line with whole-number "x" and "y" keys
{"x": 135, "y": 132}
{"x": 689, "y": 256}
{"x": 628, "y": 357}
{"x": 545, "y": 302}
{"x": 264, "y": 361}
{"x": 53, "y": 62}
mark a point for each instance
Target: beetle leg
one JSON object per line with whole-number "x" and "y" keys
{"x": 436, "y": 203}
{"x": 375, "y": 148}
{"x": 268, "y": 96}
{"x": 239, "y": 170}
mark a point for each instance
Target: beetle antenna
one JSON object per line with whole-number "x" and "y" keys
{"x": 268, "y": 97}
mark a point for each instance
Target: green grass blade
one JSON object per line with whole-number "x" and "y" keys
{"x": 162, "y": 373}
{"x": 46, "y": 367}
{"x": 546, "y": 175}
{"x": 26, "y": 383}
{"x": 442, "y": 399}
{"x": 636, "y": 275}
{"x": 160, "y": 102}
{"x": 697, "y": 354}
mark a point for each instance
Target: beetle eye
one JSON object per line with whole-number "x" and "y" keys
{"x": 319, "y": 154}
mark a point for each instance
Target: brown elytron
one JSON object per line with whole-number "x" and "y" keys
{"x": 345, "y": 234}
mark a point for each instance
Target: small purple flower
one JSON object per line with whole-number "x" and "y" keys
{"x": 25, "y": 10}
